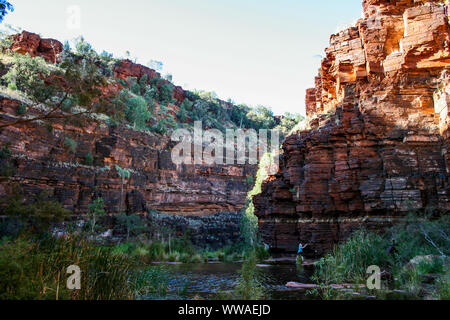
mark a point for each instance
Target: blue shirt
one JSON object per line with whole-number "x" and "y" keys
{"x": 300, "y": 248}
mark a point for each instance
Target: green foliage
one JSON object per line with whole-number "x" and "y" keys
{"x": 5, "y": 152}
{"x": 185, "y": 108}
{"x": 349, "y": 261}
{"x": 70, "y": 145}
{"x": 21, "y": 110}
{"x": 288, "y": 122}
{"x": 5, "y": 41}
{"x": 137, "y": 112}
{"x": 139, "y": 101}
{"x": 27, "y": 75}
{"x": 123, "y": 173}
{"x": 38, "y": 215}
{"x": 249, "y": 286}
{"x": 32, "y": 270}
{"x": 166, "y": 93}
{"x": 153, "y": 282}
{"x": 7, "y": 168}
{"x": 89, "y": 159}
{"x": 76, "y": 78}
{"x": 249, "y": 222}
{"x": 96, "y": 209}
{"x": 261, "y": 118}
{"x": 424, "y": 238}
{"x": 131, "y": 223}
{"x": 443, "y": 286}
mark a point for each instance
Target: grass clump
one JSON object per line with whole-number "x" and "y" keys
{"x": 412, "y": 257}
{"x": 36, "y": 270}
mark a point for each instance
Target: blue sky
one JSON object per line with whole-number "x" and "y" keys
{"x": 252, "y": 51}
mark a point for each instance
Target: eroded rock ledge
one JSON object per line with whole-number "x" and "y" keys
{"x": 377, "y": 138}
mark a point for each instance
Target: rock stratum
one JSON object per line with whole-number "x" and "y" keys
{"x": 43, "y": 164}
{"x": 376, "y": 143}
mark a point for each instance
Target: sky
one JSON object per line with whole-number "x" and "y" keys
{"x": 257, "y": 52}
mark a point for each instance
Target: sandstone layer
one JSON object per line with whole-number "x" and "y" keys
{"x": 377, "y": 143}
{"x": 43, "y": 164}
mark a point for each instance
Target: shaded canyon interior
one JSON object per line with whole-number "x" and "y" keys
{"x": 375, "y": 145}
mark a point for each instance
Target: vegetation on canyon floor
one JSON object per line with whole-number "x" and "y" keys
{"x": 34, "y": 255}
{"x": 413, "y": 259}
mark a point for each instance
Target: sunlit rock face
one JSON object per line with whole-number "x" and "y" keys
{"x": 43, "y": 164}
{"x": 377, "y": 143}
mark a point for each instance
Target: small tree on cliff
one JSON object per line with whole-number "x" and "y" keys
{"x": 76, "y": 80}
{"x": 96, "y": 210}
{"x": 123, "y": 174}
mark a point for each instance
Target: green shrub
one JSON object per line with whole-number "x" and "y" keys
{"x": 152, "y": 282}
{"x": 249, "y": 286}
{"x": 5, "y": 152}
{"x": 21, "y": 109}
{"x": 412, "y": 244}
{"x": 96, "y": 209}
{"x": 70, "y": 145}
{"x": 137, "y": 112}
{"x": 89, "y": 159}
{"x": 27, "y": 75}
{"x": 39, "y": 216}
{"x": 37, "y": 271}
{"x": 166, "y": 93}
{"x": 350, "y": 260}
{"x": 133, "y": 224}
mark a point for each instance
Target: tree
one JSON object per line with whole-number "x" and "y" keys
{"x": 123, "y": 174}
{"x": 132, "y": 223}
{"x": 5, "y": 8}
{"x": 185, "y": 107}
{"x": 166, "y": 93}
{"x": 262, "y": 118}
{"x": 95, "y": 210}
{"x": 75, "y": 80}
{"x": 288, "y": 121}
{"x": 137, "y": 112}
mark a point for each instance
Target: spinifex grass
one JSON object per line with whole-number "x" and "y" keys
{"x": 35, "y": 270}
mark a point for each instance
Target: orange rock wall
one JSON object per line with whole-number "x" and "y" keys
{"x": 377, "y": 146}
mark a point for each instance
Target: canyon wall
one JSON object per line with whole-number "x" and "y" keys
{"x": 42, "y": 163}
{"x": 377, "y": 141}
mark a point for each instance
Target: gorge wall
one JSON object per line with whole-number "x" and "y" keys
{"x": 377, "y": 138}
{"x": 42, "y": 163}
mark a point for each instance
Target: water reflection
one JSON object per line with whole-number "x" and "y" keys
{"x": 208, "y": 281}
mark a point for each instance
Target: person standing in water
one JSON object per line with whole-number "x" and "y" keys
{"x": 300, "y": 253}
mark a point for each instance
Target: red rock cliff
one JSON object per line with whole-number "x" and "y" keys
{"x": 42, "y": 163}
{"x": 377, "y": 142}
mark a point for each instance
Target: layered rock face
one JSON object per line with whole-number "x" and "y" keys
{"x": 35, "y": 46}
{"x": 43, "y": 163}
{"x": 377, "y": 143}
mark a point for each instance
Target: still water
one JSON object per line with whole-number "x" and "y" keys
{"x": 208, "y": 281}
